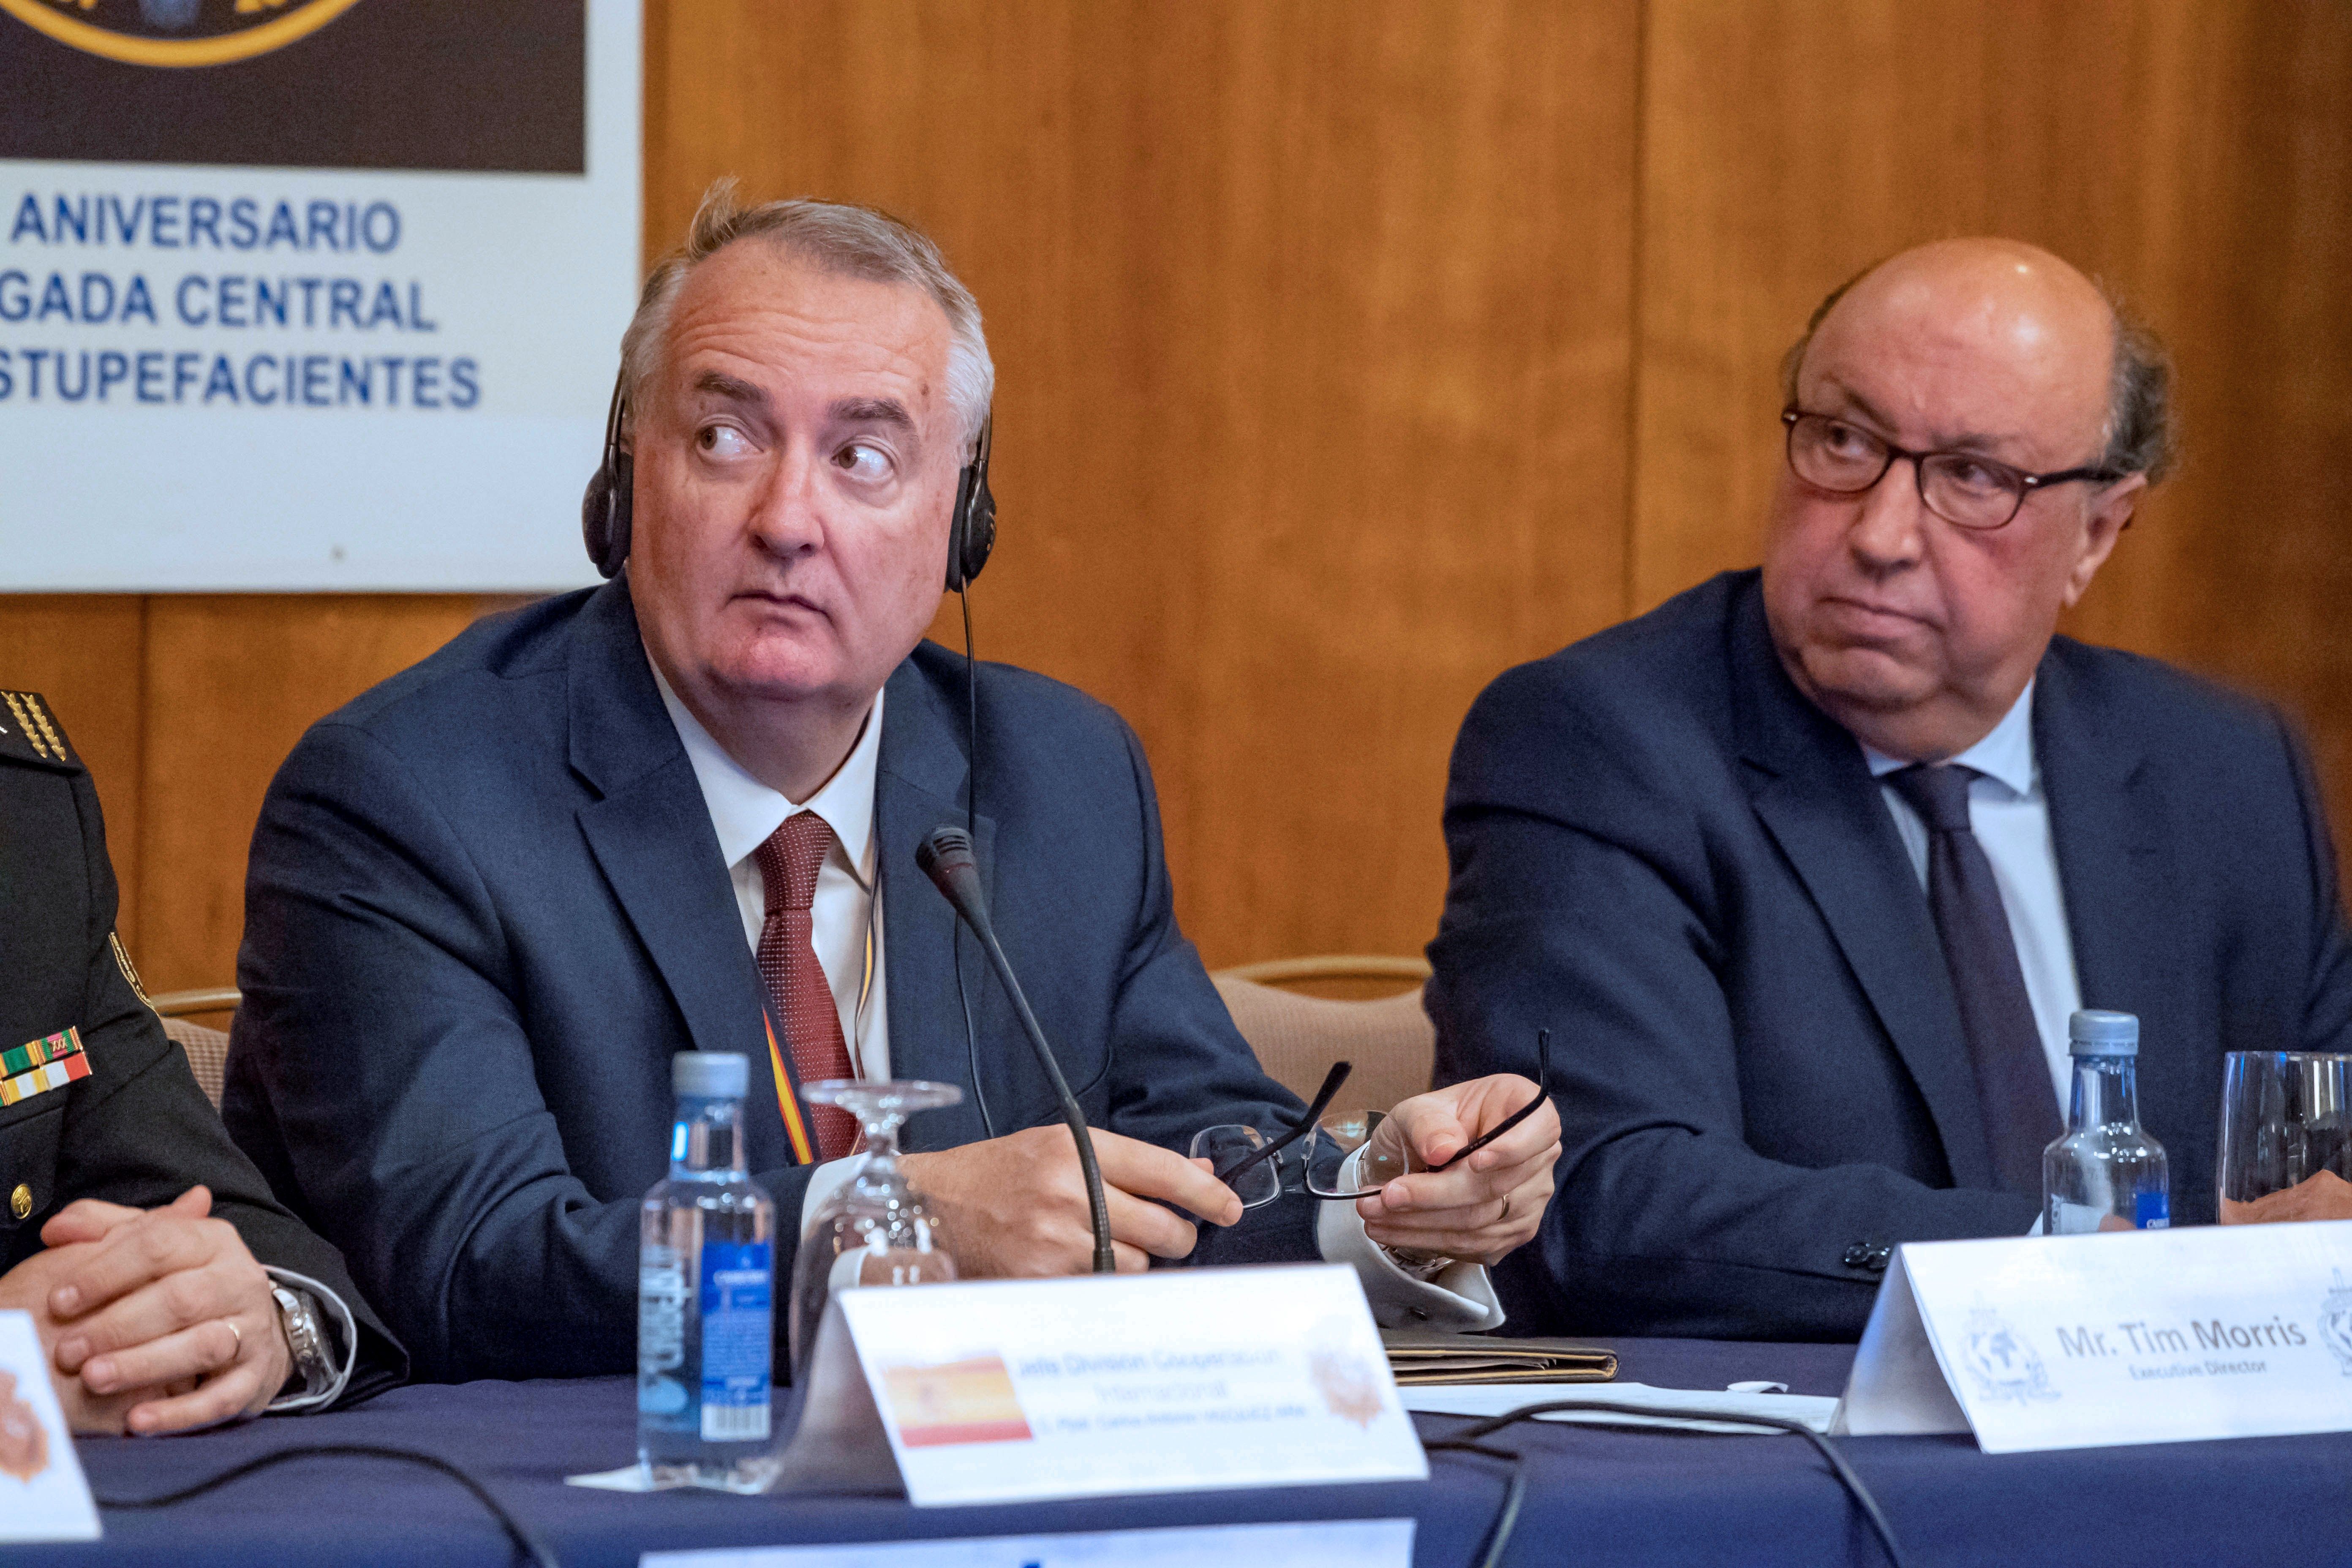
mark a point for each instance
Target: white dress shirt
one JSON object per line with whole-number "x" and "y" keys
{"x": 2011, "y": 817}
{"x": 846, "y": 909}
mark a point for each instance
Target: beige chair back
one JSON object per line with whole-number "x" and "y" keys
{"x": 1390, "y": 1039}
{"x": 206, "y": 1050}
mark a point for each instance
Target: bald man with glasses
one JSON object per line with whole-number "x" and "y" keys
{"x": 1807, "y": 868}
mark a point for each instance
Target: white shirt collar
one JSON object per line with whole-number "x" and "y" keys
{"x": 2006, "y": 755}
{"x": 744, "y": 810}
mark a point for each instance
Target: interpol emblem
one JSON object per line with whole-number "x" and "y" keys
{"x": 2003, "y": 1363}
{"x": 176, "y": 32}
{"x": 2335, "y": 1323}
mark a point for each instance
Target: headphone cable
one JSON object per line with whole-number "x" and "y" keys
{"x": 971, "y": 830}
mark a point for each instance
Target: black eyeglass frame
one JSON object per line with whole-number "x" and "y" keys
{"x": 1273, "y": 1151}
{"x": 2021, "y": 486}
{"x": 1322, "y": 1103}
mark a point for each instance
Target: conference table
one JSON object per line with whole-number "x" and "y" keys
{"x": 1594, "y": 1496}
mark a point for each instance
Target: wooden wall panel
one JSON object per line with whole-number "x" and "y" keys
{"x": 2192, "y": 154}
{"x": 231, "y": 681}
{"x": 86, "y": 654}
{"x": 1312, "y": 328}
{"x": 1350, "y": 351}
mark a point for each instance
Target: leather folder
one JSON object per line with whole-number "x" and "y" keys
{"x": 1426, "y": 1359}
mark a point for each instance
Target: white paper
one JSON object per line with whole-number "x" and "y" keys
{"x": 43, "y": 1496}
{"x": 1175, "y": 1381}
{"x": 2070, "y": 1342}
{"x": 1357, "y": 1543}
{"x": 1670, "y": 1407}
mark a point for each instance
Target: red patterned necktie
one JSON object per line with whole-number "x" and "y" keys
{"x": 788, "y": 861}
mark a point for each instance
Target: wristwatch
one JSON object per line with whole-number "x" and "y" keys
{"x": 1422, "y": 1266}
{"x": 303, "y": 1338}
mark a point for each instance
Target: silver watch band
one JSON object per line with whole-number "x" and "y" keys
{"x": 303, "y": 1339}
{"x": 1422, "y": 1266}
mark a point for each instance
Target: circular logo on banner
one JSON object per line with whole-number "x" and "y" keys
{"x": 176, "y": 32}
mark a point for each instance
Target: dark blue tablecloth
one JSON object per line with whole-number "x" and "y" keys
{"x": 1595, "y": 1497}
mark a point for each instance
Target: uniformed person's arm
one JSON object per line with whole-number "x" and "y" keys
{"x": 148, "y": 1291}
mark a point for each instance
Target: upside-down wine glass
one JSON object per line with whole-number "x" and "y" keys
{"x": 876, "y": 1229}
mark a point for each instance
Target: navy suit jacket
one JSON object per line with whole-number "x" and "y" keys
{"x": 486, "y": 906}
{"x": 1662, "y": 851}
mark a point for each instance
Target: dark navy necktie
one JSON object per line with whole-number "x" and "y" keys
{"x": 2013, "y": 1073}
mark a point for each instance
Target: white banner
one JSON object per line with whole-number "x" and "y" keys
{"x": 220, "y": 374}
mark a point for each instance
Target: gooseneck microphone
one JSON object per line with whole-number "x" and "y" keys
{"x": 947, "y": 859}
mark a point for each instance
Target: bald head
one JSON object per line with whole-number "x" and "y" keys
{"x": 1916, "y": 632}
{"x": 1998, "y": 288}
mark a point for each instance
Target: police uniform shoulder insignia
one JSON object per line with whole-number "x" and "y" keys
{"x": 130, "y": 969}
{"x": 29, "y": 731}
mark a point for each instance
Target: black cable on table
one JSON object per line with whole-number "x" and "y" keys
{"x": 531, "y": 1546}
{"x": 1508, "y": 1516}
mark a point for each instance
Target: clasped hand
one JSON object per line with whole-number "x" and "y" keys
{"x": 1016, "y": 1205}
{"x": 155, "y": 1320}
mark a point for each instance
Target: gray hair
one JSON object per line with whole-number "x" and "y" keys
{"x": 2138, "y": 430}
{"x": 848, "y": 241}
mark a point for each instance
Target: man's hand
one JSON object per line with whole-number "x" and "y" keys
{"x": 2324, "y": 1196}
{"x": 1487, "y": 1205}
{"x": 165, "y": 1305}
{"x": 1016, "y": 1205}
{"x": 26, "y": 1288}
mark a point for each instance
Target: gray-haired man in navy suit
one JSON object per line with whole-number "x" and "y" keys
{"x": 490, "y": 900}
{"x": 1807, "y": 868}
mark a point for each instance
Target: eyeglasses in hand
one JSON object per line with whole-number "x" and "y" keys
{"x": 1247, "y": 1162}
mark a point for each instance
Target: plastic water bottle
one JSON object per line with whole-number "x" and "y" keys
{"x": 2106, "y": 1167}
{"x": 706, "y": 1291}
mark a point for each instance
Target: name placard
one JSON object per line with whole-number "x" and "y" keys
{"x": 1175, "y": 1381}
{"x": 1359, "y": 1542}
{"x": 2079, "y": 1342}
{"x": 43, "y": 1496}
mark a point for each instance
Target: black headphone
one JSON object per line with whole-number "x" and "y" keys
{"x": 605, "y": 509}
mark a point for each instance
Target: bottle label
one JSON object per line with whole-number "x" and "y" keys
{"x": 663, "y": 1400}
{"x": 738, "y": 1340}
{"x": 2155, "y": 1211}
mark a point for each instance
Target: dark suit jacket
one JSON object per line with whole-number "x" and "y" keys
{"x": 486, "y": 906}
{"x": 1663, "y": 852}
{"x": 137, "y": 1130}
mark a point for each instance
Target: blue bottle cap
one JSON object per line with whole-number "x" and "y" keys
{"x": 710, "y": 1075}
{"x": 2094, "y": 1034}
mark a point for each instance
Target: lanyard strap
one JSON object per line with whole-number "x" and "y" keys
{"x": 788, "y": 1100}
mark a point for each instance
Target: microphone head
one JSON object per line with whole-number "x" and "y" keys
{"x": 946, "y": 853}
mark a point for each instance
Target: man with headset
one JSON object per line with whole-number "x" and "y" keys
{"x": 491, "y": 899}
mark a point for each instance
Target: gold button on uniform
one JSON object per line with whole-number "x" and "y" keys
{"x": 20, "y": 1201}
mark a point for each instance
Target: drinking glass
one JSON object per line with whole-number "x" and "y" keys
{"x": 876, "y": 1229}
{"x": 2286, "y": 1119}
